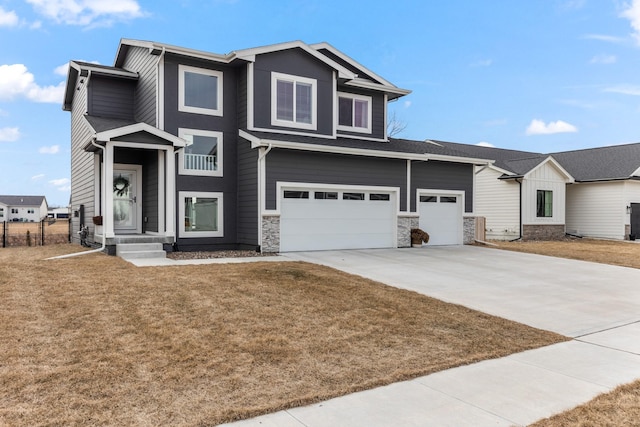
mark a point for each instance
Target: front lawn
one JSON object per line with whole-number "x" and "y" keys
{"x": 94, "y": 340}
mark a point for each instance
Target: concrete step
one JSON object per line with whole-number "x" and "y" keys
{"x": 140, "y": 250}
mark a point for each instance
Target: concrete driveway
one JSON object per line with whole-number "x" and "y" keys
{"x": 598, "y": 305}
{"x": 573, "y": 298}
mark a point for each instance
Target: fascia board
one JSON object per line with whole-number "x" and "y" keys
{"x": 139, "y": 127}
{"x": 555, "y": 163}
{"x": 341, "y": 55}
{"x": 225, "y": 59}
{"x": 251, "y": 53}
{"x": 257, "y": 142}
{"x": 365, "y": 84}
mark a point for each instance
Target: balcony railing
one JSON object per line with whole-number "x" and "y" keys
{"x": 202, "y": 162}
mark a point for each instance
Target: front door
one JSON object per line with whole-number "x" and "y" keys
{"x": 126, "y": 200}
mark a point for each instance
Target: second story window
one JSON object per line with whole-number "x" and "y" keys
{"x": 199, "y": 90}
{"x": 293, "y": 101}
{"x": 202, "y": 155}
{"x": 354, "y": 112}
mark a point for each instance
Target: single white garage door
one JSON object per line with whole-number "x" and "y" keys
{"x": 441, "y": 217}
{"x": 312, "y": 219}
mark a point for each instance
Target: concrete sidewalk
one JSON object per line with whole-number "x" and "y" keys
{"x": 598, "y": 305}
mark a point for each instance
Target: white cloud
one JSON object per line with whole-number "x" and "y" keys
{"x": 625, "y": 90}
{"x": 16, "y": 80}
{"x": 8, "y": 18}
{"x": 632, "y": 13}
{"x": 604, "y": 59}
{"x": 9, "y": 134}
{"x": 604, "y": 38}
{"x": 482, "y": 63}
{"x": 407, "y": 104}
{"x": 538, "y": 127}
{"x": 63, "y": 70}
{"x": 88, "y": 12}
{"x": 49, "y": 150}
{"x": 485, "y": 144}
{"x": 62, "y": 184}
{"x": 37, "y": 177}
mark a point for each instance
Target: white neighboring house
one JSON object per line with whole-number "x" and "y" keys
{"x": 23, "y": 208}
{"x": 591, "y": 193}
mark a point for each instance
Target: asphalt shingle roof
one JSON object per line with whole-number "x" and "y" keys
{"x": 21, "y": 200}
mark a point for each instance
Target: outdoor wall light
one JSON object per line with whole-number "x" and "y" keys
{"x": 628, "y": 209}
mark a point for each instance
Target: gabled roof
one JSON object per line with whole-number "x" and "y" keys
{"x": 22, "y": 200}
{"x": 348, "y": 69}
{"x": 107, "y": 129}
{"x": 80, "y": 68}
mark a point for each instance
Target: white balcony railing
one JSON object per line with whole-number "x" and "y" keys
{"x": 202, "y": 162}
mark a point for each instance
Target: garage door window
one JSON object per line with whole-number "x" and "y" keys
{"x": 429, "y": 199}
{"x": 379, "y": 197}
{"x": 289, "y": 194}
{"x": 352, "y": 196}
{"x": 325, "y": 195}
{"x": 448, "y": 199}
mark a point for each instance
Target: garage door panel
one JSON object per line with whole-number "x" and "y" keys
{"x": 442, "y": 220}
{"x": 322, "y": 224}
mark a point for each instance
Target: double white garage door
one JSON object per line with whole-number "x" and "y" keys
{"x": 325, "y": 219}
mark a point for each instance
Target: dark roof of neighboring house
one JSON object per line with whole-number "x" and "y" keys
{"x": 601, "y": 164}
{"x": 22, "y": 200}
{"x": 592, "y": 164}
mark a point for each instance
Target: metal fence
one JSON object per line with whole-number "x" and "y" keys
{"x": 46, "y": 232}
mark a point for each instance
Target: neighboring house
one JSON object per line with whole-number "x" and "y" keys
{"x": 278, "y": 148}
{"x": 23, "y": 208}
{"x": 59, "y": 213}
{"x": 592, "y": 193}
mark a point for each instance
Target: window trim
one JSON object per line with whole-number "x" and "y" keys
{"x": 275, "y": 77}
{"x": 182, "y": 132}
{"x": 545, "y": 193}
{"x": 182, "y": 232}
{"x": 181, "y": 92}
{"x": 353, "y": 97}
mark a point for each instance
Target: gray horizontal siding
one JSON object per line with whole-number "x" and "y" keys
{"x": 141, "y": 61}
{"x": 111, "y": 98}
{"x": 299, "y": 63}
{"x": 296, "y": 166}
{"x": 435, "y": 175}
{"x": 247, "y": 194}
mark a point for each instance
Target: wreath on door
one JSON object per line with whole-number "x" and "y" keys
{"x": 120, "y": 186}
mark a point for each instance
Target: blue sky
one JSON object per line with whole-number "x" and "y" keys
{"x": 544, "y": 75}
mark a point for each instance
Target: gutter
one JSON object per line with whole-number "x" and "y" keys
{"x": 104, "y": 238}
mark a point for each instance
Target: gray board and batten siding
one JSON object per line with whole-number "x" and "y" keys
{"x": 140, "y": 60}
{"x": 304, "y": 65}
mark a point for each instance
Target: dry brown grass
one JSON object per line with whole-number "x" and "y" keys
{"x": 96, "y": 341}
{"x": 626, "y": 254}
{"x": 621, "y": 407}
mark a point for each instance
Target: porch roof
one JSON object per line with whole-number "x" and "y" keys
{"x": 110, "y": 129}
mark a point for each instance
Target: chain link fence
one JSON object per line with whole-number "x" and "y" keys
{"x": 47, "y": 232}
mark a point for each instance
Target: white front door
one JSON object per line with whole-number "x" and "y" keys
{"x": 126, "y": 199}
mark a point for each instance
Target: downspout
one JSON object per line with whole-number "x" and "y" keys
{"x": 104, "y": 238}
{"x": 261, "y": 168}
{"x": 519, "y": 181}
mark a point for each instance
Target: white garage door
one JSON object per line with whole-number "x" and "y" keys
{"x": 312, "y": 219}
{"x": 441, "y": 217}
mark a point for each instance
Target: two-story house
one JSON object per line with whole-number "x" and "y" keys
{"x": 23, "y": 208}
{"x": 278, "y": 148}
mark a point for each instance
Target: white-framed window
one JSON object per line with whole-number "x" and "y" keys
{"x": 31, "y": 211}
{"x": 202, "y": 155}
{"x": 293, "y": 101}
{"x": 201, "y": 214}
{"x": 1, "y": 213}
{"x": 199, "y": 90}
{"x": 14, "y": 210}
{"x": 354, "y": 112}
{"x": 544, "y": 203}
